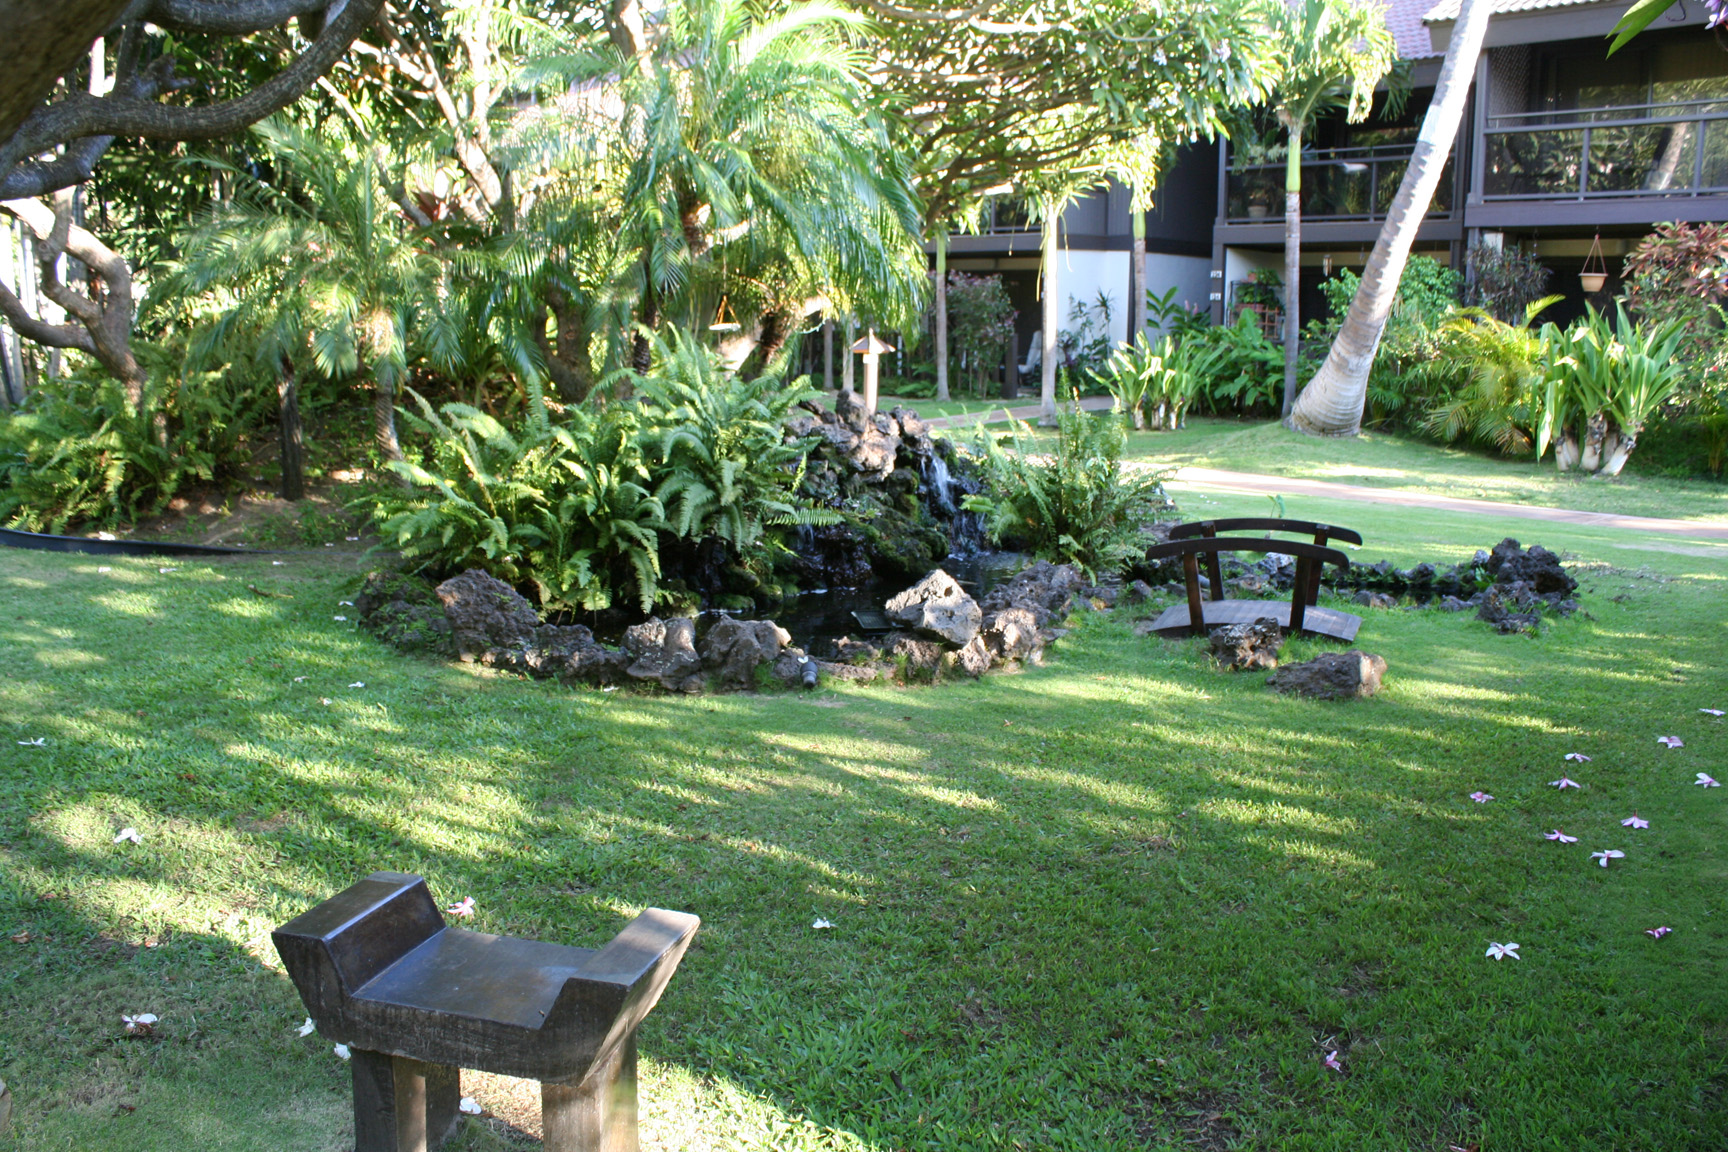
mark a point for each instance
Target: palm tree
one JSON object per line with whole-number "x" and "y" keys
{"x": 319, "y": 266}
{"x": 1330, "y": 55}
{"x": 1331, "y": 404}
{"x": 734, "y": 134}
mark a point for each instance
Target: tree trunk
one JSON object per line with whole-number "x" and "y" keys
{"x": 1137, "y": 277}
{"x": 293, "y": 449}
{"x": 1332, "y": 403}
{"x": 775, "y": 328}
{"x": 848, "y": 366}
{"x": 384, "y": 417}
{"x": 567, "y": 361}
{"x": 828, "y": 354}
{"x": 1011, "y": 374}
{"x": 941, "y": 313}
{"x": 1292, "y": 263}
{"x": 641, "y": 349}
{"x": 1047, "y": 392}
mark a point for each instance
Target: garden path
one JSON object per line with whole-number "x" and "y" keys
{"x": 1023, "y": 412}
{"x": 1218, "y": 480}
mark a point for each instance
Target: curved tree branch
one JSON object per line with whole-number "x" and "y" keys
{"x": 225, "y": 18}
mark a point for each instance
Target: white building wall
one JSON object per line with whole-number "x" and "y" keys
{"x": 1191, "y": 276}
{"x": 1082, "y": 275}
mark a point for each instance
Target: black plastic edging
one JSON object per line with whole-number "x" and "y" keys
{"x": 41, "y": 542}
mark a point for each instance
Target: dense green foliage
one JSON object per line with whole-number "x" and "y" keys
{"x": 581, "y": 505}
{"x": 1076, "y": 503}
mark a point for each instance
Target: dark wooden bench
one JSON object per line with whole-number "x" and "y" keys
{"x": 416, "y": 1001}
{"x": 1301, "y": 614}
{"x": 1323, "y": 534}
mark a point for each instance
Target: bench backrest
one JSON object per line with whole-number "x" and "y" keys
{"x": 332, "y": 950}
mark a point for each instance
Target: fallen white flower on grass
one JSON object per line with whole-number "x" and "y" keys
{"x": 299, "y": 679}
{"x": 325, "y": 700}
{"x": 141, "y": 1024}
{"x": 351, "y": 538}
{"x": 277, "y": 563}
{"x": 1706, "y": 780}
{"x": 1332, "y": 1061}
{"x": 1610, "y": 854}
{"x": 330, "y": 545}
{"x": 469, "y": 1105}
{"x": 38, "y": 742}
{"x": 1706, "y": 711}
{"x": 821, "y": 923}
{"x": 462, "y": 909}
{"x": 1634, "y": 821}
{"x": 104, "y": 569}
{"x": 344, "y": 603}
{"x": 341, "y": 619}
{"x": 166, "y": 571}
{"x": 1578, "y": 756}
{"x": 342, "y": 1051}
{"x": 1564, "y": 783}
{"x": 128, "y": 834}
{"x": 1503, "y": 951}
{"x": 358, "y": 684}
{"x": 308, "y": 1028}
{"x": 1658, "y": 933}
{"x": 1480, "y": 797}
{"x": 1671, "y": 741}
{"x": 1560, "y": 836}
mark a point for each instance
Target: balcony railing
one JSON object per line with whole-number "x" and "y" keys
{"x": 1337, "y": 184}
{"x": 1678, "y": 149}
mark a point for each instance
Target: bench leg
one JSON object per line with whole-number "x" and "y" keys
{"x": 402, "y": 1105}
{"x": 597, "y": 1115}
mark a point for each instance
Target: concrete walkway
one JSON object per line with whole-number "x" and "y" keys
{"x": 1024, "y": 412}
{"x": 1216, "y": 480}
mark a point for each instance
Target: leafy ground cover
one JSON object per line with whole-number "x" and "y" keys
{"x": 1123, "y": 901}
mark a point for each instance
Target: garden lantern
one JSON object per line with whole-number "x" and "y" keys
{"x": 871, "y": 347}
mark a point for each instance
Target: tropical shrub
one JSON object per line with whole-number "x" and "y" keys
{"x": 1162, "y": 377}
{"x": 78, "y": 453}
{"x": 1403, "y": 381}
{"x": 980, "y": 323}
{"x": 1489, "y": 376}
{"x": 1075, "y": 504}
{"x": 1604, "y": 382}
{"x": 1505, "y": 280}
{"x": 1680, "y": 273}
{"x": 1240, "y": 369}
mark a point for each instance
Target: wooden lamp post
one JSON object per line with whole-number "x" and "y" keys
{"x": 872, "y": 347}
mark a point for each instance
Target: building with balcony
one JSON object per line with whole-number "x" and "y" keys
{"x": 1560, "y": 145}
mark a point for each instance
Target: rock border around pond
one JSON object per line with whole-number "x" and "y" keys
{"x": 942, "y": 633}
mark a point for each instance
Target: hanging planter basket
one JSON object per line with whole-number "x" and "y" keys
{"x": 1595, "y": 275}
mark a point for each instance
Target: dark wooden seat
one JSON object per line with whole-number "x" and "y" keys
{"x": 1298, "y": 616}
{"x": 416, "y": 1000}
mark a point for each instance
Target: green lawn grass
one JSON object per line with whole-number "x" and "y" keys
{"x": 1380, "y": 460}
{"x": 931, "y": 409}
{"x": 1122, "y": 901}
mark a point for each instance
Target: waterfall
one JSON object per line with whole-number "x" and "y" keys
{"x": 940, "y": 483}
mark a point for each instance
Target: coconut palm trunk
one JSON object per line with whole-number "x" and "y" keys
{"x": 941, "y": 313}
{"x": 293, "y": 445}
{"x": 1047, "y": 394}
{"x": 1332, "y": 403}
{"x": 1137, "y": 277}
{"x": 1292, "y": 261}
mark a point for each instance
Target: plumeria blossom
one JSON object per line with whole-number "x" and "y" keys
{"x": 352, "y": 538}
{"x": 308, "y": 1028}
{"x": 1564, "y": 783}
{"x": 141, "y": 1024}
{"x": 1658, "y": 933}
{"x": 1332, "y": 1061}
{"x": 277, "y": 563}
{"x": 1503, "y": 952}
{"x": 340, "y": 619}
{"x": 299, "y": 679}
{"x": 1708, "y": 781}
{"x": 1713, "y": 712}
{"x": 341, "y": 1051}
{"x": 1560, "y": 836}
{"x": 165, "y": 571}
{"x": 344, "y": 603}
{"x": 358, "y": 684}
{"x": 1480, "y": 797}
{"x": 1634, "y": 821}
{"x": 462, "y": 909}
{"x": 38, "y": 742}
{"x": 104, "y": 569}
{"x": 1671, "y": 741}
{"x": 324, "y": 700}
{"x": 821, "y": 923}
{"x": 469, "y": 1105}
{"x": 128, "y": 834}
{"x": 1716, "y": 13}
{"x": 1611, "y": 854}
{"x": 1578, "y": 756}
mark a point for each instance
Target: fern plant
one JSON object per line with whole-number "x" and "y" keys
{"x": 1076, "y": 505}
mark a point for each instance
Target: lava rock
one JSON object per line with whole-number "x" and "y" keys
{"x": 1331, "y": 676}
{"x": 571, "y": 653}
{"x": 405, "y": 612}
{"x": 663, "y": 650}
{"x": 850, "y": 651}
{"x": 938, "y": 606}
{"x": 1043, "y": 588}
{"x": 485, "y": 613}
{"x": 974, "y": 658}
{"x": 920, "y": 655}
{"x": 1374, "y": 599}
{"x": 856, "y": 673}
{"x": 1453, "y": 604}
{"x": 1538, "y": 567}
{"x": 1254, "y": 645}
{"x": 737, "y": 647}
{"x": 1012, "y": 634}
{"x": 1137, "y": 592}
{"x": 1496, "y": 610}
